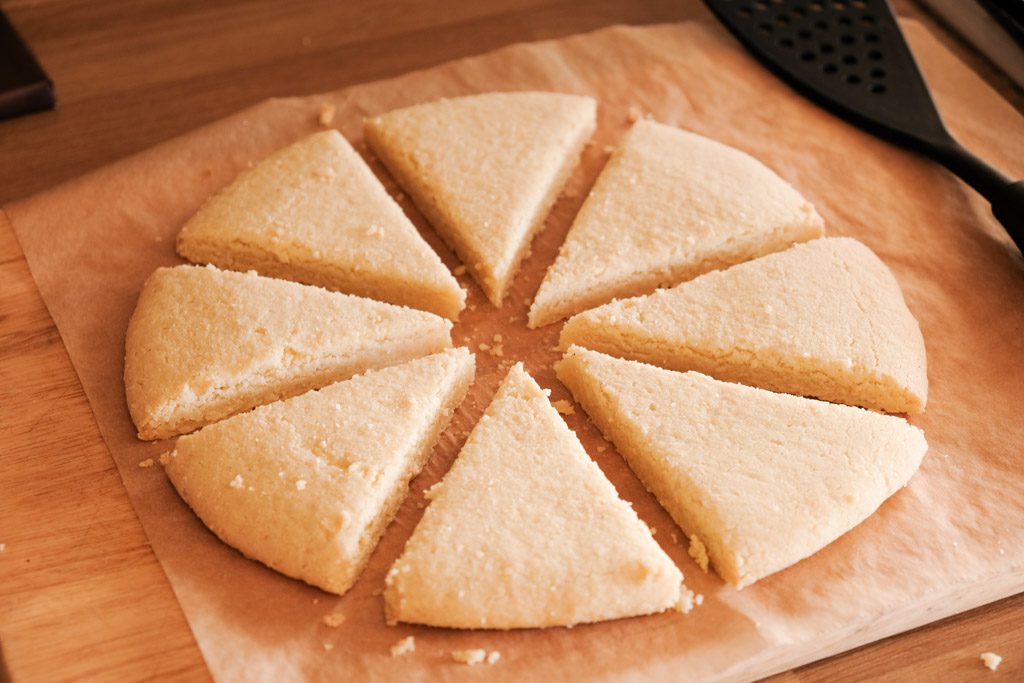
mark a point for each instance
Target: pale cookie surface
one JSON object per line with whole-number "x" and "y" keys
{"x": 308, "y": 485}
{"x": 762, "y": 480}
{"x": 525, "y": 531}
{"x": 485, "y": 170}
{"x": 668, "y": 206}
{"x": 824, "y": 319}
{"x": 313, "y": 212}
{"x": 205, "y": 343}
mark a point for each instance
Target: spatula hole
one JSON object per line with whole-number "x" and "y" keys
{"x": 765, "y": 26}
{"x": 853, "y": 79}
{"x": 878, "y": 89}
{"x": 849, "y": 60}
{"x": 829, "y": 69}
{"x": 844, "y": 21}
{"x": 782, "y": 20}
{"x": 761, "y": 6}
{"x": 877, "y": 73}
{"x": 875, "y": 56}
{"x": 867, "y": 20}
{"x": 859, "y": 4}
{"x": 807, "y": 56}
{"x": 826, "y": 48}
{"x": 786, "y": 42}
{"x": 821, "y": 25}
{"x": 799, "y": 11}
{"x": 745, "y": 11}
{"x": 804, "y": 34}
{"x": 817, "y": 6}
{"x": 847, "y": 39}
{"x": 871, "y": 38}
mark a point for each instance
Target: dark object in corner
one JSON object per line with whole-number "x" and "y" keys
{"x": 24, "y": 86}
{"x": 850, "y": 57}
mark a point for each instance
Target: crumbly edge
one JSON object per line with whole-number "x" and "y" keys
{"x": 644, "y": 282}
{"x": 539, "y": 218}
{"x": 275, "y": 384}
{"x": 396, "y": 166}
{"x": 828, "y": 381}
{"x": 596, "y": 402}
{"x": 345, "y": 576}
{"x": 393, "y": 596}
{"x": 495, "y": 286}
{"x": 400, "y": 487}
{"x": 242, "y": 256}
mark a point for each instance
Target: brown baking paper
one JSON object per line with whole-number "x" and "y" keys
{"x": 952, "y": 540}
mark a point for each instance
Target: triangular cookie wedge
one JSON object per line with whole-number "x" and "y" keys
{"x": 525, "y": 531}
{"x": 668, "y": 206}
{"x": 308, "y": 485}
{"x": 758, "y": 480}
{"x": 485, "y": 170}
{"x": 824, "y": 319}
{"x": 313, "y": 212}
{"x": 205, "y": 343}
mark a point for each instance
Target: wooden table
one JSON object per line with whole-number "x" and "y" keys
{"x": 81, "y": 593}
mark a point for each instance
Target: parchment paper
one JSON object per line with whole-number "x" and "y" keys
{"x": 952, "y": 540}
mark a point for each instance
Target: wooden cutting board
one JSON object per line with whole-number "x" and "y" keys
{"x": 66, "y": 524}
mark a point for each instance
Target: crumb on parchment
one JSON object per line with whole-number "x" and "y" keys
{"x": 326, "y": 117}
{"x": 687, "y": 600}
{"x": 334, "y": 620}
{"x": 476, "y": 656}
{"x": 564, "y": 407}
{"x": 403, "y": 646}
{"x": 698, "y": 552}
{"x": 991, "y": 660}
{"x": 148, "y": 462}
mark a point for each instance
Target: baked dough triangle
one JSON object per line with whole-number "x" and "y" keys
{"x": 485, "y": 170}
{"x": 313, "y": 212}
{"x": 525, "y": 531}
{"x": 824, "y": 319}
{"x": 308, "y": 485}
{"x": 758, "y": 480}
{"x": 205, "y": 343}
{"x": 669, "y": 206}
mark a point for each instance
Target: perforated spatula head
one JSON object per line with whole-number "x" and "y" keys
{"x": 850, "y": 57}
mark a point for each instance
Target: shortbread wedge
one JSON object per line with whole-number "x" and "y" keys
{"x": 825, "y": 319}
{"x": 313, "y": 212}
{"x": 525, "y": 531}
{"x": 668, "y": 206}
{"x": 757, "y": 480}
{"x": 308, "y": 485}
{"x": 205, "y": 343}
{"x": 485, "y": 170}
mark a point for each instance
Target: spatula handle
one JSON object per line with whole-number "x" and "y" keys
{"x": 1008, "y": 208}
{"x": 1006, "y": 196}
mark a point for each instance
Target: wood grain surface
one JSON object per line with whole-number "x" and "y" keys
{"x": 81, "y": 594}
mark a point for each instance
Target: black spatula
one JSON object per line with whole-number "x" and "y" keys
{"x": 850, "y": 57}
